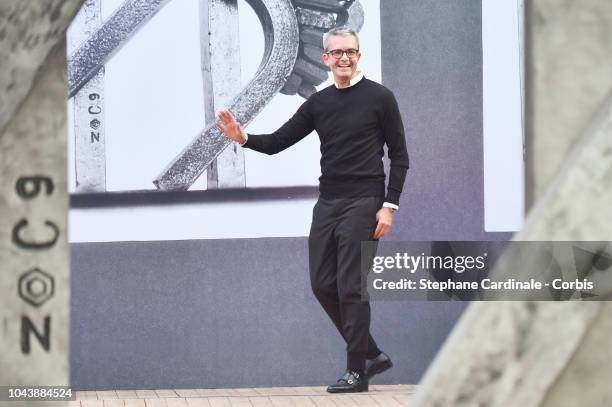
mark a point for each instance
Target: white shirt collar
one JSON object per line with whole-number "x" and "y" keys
{"x": 354, "y": 80}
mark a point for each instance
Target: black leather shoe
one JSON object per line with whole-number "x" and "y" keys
{"x": 350, "y": 382}
{"x": 377, "y": 365}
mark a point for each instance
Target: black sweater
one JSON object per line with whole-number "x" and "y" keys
{"x": 353, "y": 125}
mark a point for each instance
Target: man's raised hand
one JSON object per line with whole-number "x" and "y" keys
{"x": 228, "y": 125}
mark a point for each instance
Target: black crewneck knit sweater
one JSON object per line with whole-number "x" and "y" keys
{"x": 353, "y": 125}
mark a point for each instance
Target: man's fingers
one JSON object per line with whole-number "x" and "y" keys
{"x": 224, "y": 117}
{"x": 227, "y": 117}
{"x": 385, "y": 230}
{"x": 381, "y": 230}
{"x": 378, "y": 230}
{"x": 231, "y": 130}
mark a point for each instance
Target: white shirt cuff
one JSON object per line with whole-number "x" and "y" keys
{"x": 390, "y": 205}
{"x": 245, "y": 141}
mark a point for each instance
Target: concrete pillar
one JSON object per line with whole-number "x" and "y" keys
{"x": 35, "y": 274}
{"x": 568, "y": 79}
{"x": 541, "y": 353}
{"x": 88, "y": 108}
{"x": 221, "y": 79}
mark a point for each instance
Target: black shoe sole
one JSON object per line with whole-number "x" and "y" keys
{"x": 383, "y": 367}
{"x": 361, "y": 389}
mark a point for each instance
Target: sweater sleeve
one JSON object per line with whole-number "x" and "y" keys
{"x": 296, "y": 128}
{"x": 393, "y": 131}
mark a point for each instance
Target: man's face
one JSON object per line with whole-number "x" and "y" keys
{"x": 342, "y": 68}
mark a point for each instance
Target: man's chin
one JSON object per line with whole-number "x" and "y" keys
{"x": 344, "y": 76}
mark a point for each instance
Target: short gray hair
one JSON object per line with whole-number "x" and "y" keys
{"x": 340, "y": 31}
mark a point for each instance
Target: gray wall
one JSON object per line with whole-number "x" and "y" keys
{"x": 432, "y": 60}
{"x": 239, "y": 313}
{"x": 227, "y": 314}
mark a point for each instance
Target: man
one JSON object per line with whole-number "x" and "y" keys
{"x": 354, "y": 119}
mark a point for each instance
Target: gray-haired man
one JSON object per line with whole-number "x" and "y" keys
{"x": 354, "y": 119}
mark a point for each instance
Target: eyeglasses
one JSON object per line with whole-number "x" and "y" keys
{"x": 337, "y": 53}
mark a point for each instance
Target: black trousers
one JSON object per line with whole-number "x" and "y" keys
{"x": 334, "y": 247}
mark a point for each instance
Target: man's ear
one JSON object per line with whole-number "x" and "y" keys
{"x": 325, "y": 59}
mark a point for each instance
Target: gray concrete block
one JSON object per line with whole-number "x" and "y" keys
{"x": 310, "y": 72}
{"x": 319, "y": 19}
{"x": 306, "y": 90}
{"x": 568, "y": 76}
{"x": 312, "y": 35}
{"x": 542, "y": 353}
{"x": 28, "y": 32}
{"x": 314, "y": 55}
{"x": 35, "y": 278}
{"x": 292, "y": 85}
{"x": 332, "y": 6}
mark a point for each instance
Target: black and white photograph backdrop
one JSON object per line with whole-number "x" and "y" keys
{"x": 162, "y": 86}
{"x": 189, "y": 253}
{"x": 156, "y": 89}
